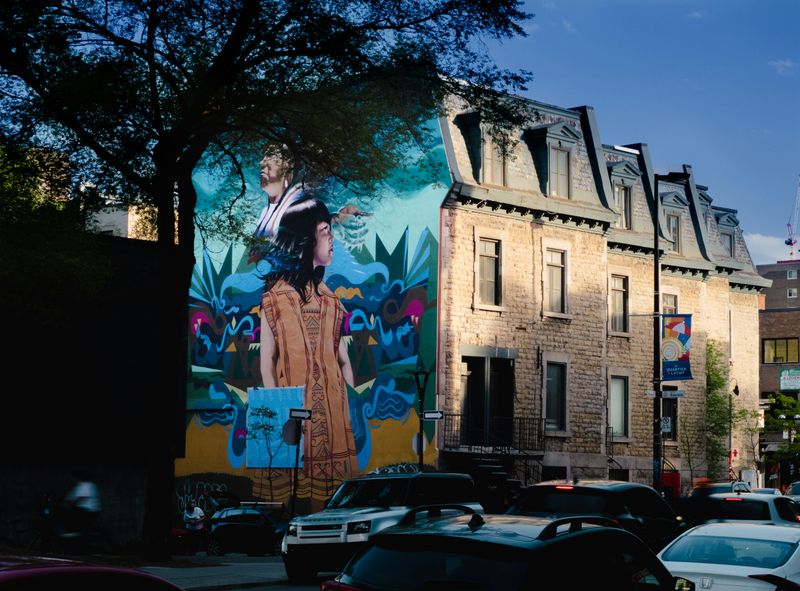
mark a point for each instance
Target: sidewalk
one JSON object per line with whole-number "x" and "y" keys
{"x": 206, "y": 573}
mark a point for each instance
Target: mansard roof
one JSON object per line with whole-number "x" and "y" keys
{"x": 594, "y": 208}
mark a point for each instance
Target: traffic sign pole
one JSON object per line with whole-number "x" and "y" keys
{"x": 298, "y": 415}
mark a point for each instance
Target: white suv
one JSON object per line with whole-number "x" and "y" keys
{"x": 325, "y": 541}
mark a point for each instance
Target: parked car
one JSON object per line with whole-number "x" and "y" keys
{"x": 33, "y": 573}
{"x": 246, "y": 530}
{"x": 503, "y": 552}
{"x": 780, "y": 510}
{"x": 768, "y": 491}
{"x": 636, "y": 507}
{"x": 739, "y": 556}
{"x": 793, "y": 490}
{"x": 359, "y": 508}
{"x": 709, "y": 488}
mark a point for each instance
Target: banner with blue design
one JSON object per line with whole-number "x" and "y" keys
{"x": 676, "y": 338}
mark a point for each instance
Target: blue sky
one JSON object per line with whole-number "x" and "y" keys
{"x": 714, "y": 84}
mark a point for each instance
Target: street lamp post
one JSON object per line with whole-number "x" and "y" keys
{"x": 669, "y": 177}
{"x": 730, "y": 431}
{"x": 421, "y": 376}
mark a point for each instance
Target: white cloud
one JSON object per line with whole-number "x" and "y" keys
{"x": 568, "y": 26}
{"x": 697, "y": 14}
{"x": 783, "y": 67}
{"x": 765, "y": 250}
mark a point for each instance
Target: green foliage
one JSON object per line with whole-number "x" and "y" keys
{"x": 787, "y": 407}
{"x": 717, "y": 412}
{"x": 47, "y": 257}
{"x": 140, "y": 93}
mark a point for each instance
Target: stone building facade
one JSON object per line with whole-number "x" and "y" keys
{"x": 547, "y": 297}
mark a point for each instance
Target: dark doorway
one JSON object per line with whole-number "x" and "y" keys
{"x": 488, "y": 383}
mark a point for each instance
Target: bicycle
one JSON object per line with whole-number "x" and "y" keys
{"x": 36, "y": 535}
{"x": 18, "y": 535}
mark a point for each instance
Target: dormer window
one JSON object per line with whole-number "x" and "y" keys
{"x": 559, "y": 172}
{"x": 623, "y": 175}
{"x": 727, "y": 243}
{"x": 674, "y": 230}
{"x": 726, "y": 226}
{"x": 553, "y": 149}
{"x": 622, "y": 198}
{"x": 494, "y": 163}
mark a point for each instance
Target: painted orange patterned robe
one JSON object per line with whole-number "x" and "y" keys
{"x": 307, "y": 341}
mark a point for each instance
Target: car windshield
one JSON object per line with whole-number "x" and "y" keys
{"x": 427, "y": 564}
{"x": 556, "y": 501}
{"x": 370, "y": 493}
{"x": 731, "y": 551}
{"x": 794, "y": 489}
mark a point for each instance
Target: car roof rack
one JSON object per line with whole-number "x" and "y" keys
{"x": 434, "y": 511}
{"x": 575, "y": 523}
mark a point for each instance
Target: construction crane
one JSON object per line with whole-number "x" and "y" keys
{"x": 792, "y": 226}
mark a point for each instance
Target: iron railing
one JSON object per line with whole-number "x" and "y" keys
{"x": 503, "y": 434}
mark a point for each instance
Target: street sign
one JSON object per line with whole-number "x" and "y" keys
{"x": 665, "y": 394}
{"x": 300, "y": 413}
{"x": 666, "y": 424}
{"x": 432, "y": 415}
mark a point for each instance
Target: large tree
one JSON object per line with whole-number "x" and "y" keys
{"x": 139, "y": 92}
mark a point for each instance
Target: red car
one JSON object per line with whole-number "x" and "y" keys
{"x": 33, "y": 573}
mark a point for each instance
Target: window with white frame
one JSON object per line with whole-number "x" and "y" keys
{"x": 674, "y": 230}
{"x": 489, "y": 272}
{"x": 618, "y": 404}
{"x": 791, "y": 292}
{"x": 669, "y": 303}
{"x": 791, "y": 274}
{"x": 555, "y": 283}
{"x": 619, "y": 303}
{"x": 559, "y": 171}
{"x": 622, "y": 194}
{"x": 556, "y": 397}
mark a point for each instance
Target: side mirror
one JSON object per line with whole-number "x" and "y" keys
{"x": 682, "y": 584}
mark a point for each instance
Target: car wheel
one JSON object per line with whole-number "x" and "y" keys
{"x": 214, "y": 548}
{"x": 299, "y": 573}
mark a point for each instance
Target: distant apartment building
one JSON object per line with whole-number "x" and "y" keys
{"x": 779, "y": 328}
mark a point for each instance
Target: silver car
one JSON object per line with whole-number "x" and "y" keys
{"x": 736, "y": 557}
{"x": 780, "y": 510}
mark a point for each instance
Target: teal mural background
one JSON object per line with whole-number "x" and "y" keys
{"x": 384, "y": 271}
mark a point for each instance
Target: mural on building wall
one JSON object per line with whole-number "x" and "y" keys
{"x": 338, "y": 298}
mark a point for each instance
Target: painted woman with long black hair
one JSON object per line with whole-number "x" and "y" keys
{"x": 301, "y": 339}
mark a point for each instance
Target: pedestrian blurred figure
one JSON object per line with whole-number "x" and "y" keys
{"x": 193, "y": 521}
{"x": 82, "y": 505}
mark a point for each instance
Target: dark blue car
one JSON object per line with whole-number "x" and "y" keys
{"x": 244, "y": 530}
